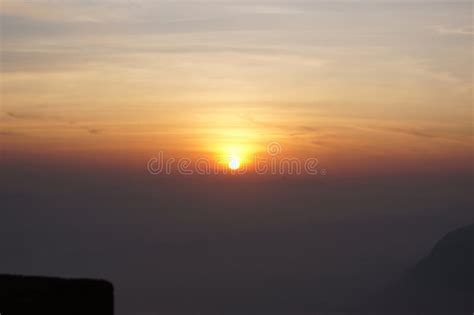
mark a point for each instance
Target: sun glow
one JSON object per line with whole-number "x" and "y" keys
{"x": 234, "y": 156}
{"x": 234, "y": 163}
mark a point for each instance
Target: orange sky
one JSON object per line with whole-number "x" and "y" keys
{"x": 346, "y": 83}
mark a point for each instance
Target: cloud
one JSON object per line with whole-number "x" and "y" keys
{"x": 94, "y": 131}
{"x": 71, "y": 123}
{"x": 466, "y": 30}
{"x": 8, "y": 133}
{"x": 265, "y": 9}
{"x": 294, "y": 128}
{"x": 32, "y": 116}
{"x": 417, "y": 132}
{"x": 406, "y": 131}
{"x": 21, "y": 116}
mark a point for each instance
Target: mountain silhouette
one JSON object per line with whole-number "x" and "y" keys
{"x": 22, "y": 295}
{"x": 450, "y": 264}
{"x": 442, "y": 282}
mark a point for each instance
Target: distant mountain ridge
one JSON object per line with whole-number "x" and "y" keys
{"x": 442, "y": 282}
{"x": 450, "y": 264}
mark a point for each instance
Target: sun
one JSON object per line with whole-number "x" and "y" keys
{"x": 233, "y": 156}
{"x": 234, "y": 163}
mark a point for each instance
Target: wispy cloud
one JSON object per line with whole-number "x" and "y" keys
{"x": 8, "y": 133}
{"x": 35, "y": 116}
{"x": 266, "y": 9}
{"x": 466, "y": 30}
{"x": 94, "y": 131}
{"x": 291, "y": 129}
{"x": 24, "y": 116}
{"x": 46, "y": 120}
{"x": 432, "y": 133}
{"x": 410, "y": 131}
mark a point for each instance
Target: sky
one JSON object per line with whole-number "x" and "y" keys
{"x": 386, "y": 83}
{"x": 380, "y": 92}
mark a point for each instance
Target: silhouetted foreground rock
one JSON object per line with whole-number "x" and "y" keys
{"x": 442, "y": 282}
{"x": 41, "y": 295}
